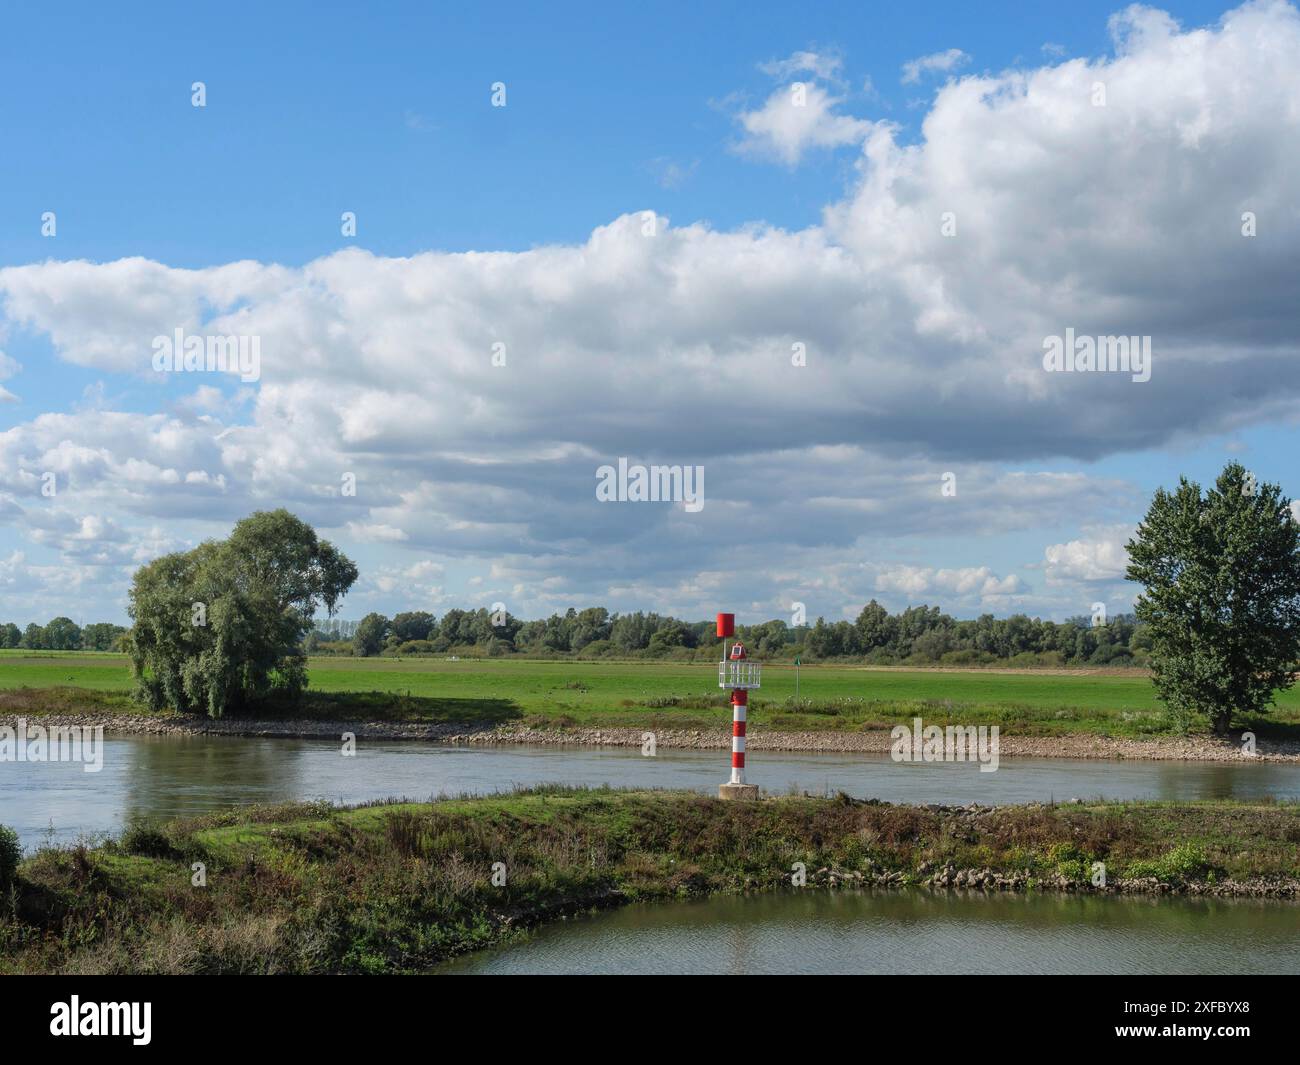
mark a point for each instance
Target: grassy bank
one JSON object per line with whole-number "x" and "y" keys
{"x": 647, "y": 695}
{"x": 397, "y": 887}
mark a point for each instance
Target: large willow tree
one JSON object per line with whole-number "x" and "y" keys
{"x": 222, "y": 626}
{"x": 1222, "y": 599}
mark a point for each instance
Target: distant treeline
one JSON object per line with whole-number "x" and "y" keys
{"x": 63, "y": 634}
{"x": 918, "y": 635}
{"x": 921, "y": 634}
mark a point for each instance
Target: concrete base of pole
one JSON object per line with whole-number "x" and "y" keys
{"x": 737, "y": 791}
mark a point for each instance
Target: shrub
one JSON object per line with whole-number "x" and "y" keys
{"x": 10, "y": 853}
{"x": 967, "y": 658}
{"x": 1104, "y": 654}
{"x": 145, "y": 840}
{"x": 1185, "y": 861}
{"x": 846, "y": 705}
{"x": 1040, "y": 658}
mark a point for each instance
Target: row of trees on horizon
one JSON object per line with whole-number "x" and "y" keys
{"x": 63, "y": 634}
{"x": 918, "y": 634}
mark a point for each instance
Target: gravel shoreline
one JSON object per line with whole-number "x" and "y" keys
{"x": 1187, "y": 748}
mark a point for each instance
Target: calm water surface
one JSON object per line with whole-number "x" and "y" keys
{"x": 912, "y": 932}
{"x": 162, "y": 777}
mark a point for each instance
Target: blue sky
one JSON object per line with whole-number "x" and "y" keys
{"x": 318, "y": 108}
{"x": 615, "y": 110}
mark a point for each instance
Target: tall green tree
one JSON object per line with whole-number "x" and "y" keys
{"x": 368, "y": 640}
{"x": 223, "y": 625}
{"x": 413, "y": 625}
{"x": 62, "y": 634}
{"x": 1222, "y": 599}
{"x": 875, "y": 626}
{"x": 100, "y": 636}
{"x": 590, "y": 625}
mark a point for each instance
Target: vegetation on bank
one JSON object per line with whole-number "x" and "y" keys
{"x": 10, "y": 854}
{"x": 397, "y": 887}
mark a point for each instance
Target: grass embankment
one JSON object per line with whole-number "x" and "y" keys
{"x": 397, "y": 887}
{"x": 646, "y": 695}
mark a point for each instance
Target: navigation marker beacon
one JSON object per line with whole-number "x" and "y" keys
{"x": 739, "y": 673}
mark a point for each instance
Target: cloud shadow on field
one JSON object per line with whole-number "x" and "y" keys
{"x": 388, "y": 706}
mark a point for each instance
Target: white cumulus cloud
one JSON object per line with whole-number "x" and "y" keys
{"x": 935, "y": 63}
{"x": 923, "y": 352}
{"x": 1103, "y": 558}
{"x": 796, "y": 119}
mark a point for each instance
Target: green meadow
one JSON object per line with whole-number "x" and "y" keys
{"x": 567, "y": 693}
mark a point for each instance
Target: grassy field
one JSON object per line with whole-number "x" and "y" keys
{"x": 648, "y": 694}
{"x": 398, "y": 887}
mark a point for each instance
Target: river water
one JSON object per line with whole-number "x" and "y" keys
{"x": 906, "y": 932}
{"x": 163, "y": 777}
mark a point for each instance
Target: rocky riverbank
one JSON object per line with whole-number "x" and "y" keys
{"x": 1200, "y": 748}
{"x": 951, "y": 878}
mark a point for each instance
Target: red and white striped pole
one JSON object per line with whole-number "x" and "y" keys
{"x": 739, "y": 701}
{"x": 738, "y": 674}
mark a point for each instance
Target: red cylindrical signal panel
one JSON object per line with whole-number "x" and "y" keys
{"x": 726, "y": 626}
